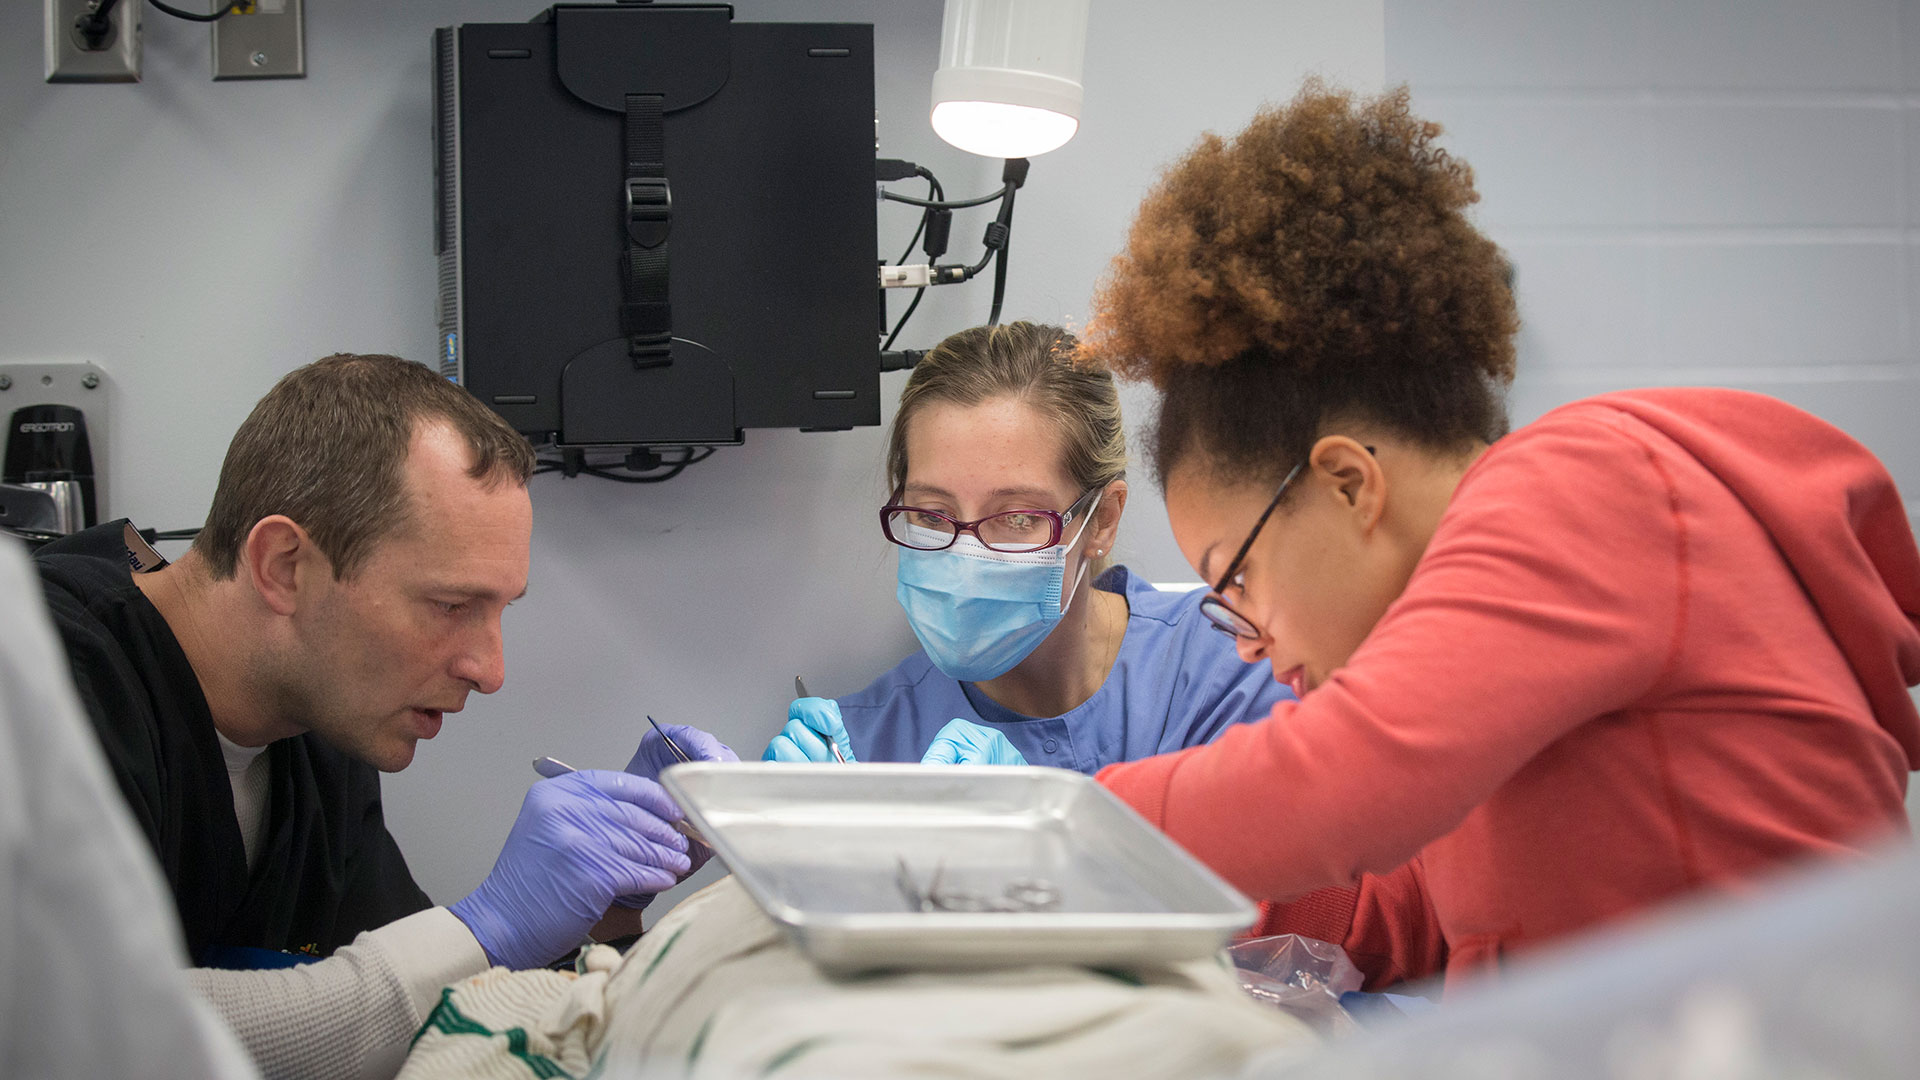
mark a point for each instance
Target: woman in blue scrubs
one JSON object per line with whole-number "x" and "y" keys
{"x": 1007, "y": 464}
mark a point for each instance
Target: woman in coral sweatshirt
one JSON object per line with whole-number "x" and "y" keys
{"x": 1654, "y": 643}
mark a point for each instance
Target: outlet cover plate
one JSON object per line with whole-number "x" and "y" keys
{"x": 69, "y": 60}
{"x": 261, "y": 39}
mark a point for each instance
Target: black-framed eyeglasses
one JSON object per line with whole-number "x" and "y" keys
{"x": 1214, "y": 605}
{"x": 1009, "y": 531}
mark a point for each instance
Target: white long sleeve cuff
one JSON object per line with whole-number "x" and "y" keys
{"x": 347, "y": 1017}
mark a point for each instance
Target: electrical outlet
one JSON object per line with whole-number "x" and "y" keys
{"x": 260, "y": 39}
{"x": 113, "y": 56}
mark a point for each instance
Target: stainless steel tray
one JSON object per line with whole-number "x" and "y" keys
{"x": 819, "y": 848}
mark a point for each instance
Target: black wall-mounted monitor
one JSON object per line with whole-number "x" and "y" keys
{"x": 656, "y": 225}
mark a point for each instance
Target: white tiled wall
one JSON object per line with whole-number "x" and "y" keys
{"x": 1719, "y": 192}
{"x": 1695, "y": 191}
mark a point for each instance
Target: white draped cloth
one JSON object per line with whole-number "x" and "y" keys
{"x": 716, "y": 990}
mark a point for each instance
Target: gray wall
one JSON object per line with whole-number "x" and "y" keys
{"x": 1694, "y": 191}
{"x": 1714, "y": 192}
{"x": 198, "y": 240}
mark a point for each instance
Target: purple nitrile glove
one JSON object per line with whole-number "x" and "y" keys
{"x": 580, "y": 841}
{"x": 654, "y": 755}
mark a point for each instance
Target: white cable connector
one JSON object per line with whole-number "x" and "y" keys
{"x": 917, "y": 276}
{"x": 920, "y": 275}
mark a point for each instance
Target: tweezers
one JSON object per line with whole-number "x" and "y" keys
{"x": 551, "y": 767}
{"x": 671, "y": 745}
{"x": 800, "y": 690}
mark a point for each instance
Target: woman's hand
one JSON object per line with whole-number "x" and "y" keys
{"x": 963, "y": 742}
{"x": 811, "y": 721}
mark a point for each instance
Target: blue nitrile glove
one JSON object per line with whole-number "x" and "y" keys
{"x": 580, "y": 840}
{"x": 654, "y": 755}
{"x": 811, "y": 721}
{"x": 963, "y": 742}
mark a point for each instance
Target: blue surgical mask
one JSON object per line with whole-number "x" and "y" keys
{"x": 979, "y": 612}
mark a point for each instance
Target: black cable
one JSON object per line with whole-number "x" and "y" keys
{"x": 211, "y": 16}
{"x": 961, "y": 205}
{"x": 904, "y": 316}
{"x": 94, "y": 25}
{"x": 934, "y": 193}
{"x": 1000, "y": 233}
{"x": 999, "y": 289}
{"x": 688, "y": 455}
{"x": 985, "y": 258}
{"x": 1000, "y": 262}
{"x": 176, "y": 534}
{"x": 999, "y": 236}
{"x": 915, "y": 241}
{"x": 673, "y": 468}
{"x": 632, "y": 478}
{"x": 692, "y": 456}
{"x": 34, "y": 538}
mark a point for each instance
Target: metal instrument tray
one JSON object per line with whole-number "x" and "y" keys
{"x": 820, "y": 847}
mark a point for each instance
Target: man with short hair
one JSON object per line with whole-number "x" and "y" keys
{"x": 370, "y": 525}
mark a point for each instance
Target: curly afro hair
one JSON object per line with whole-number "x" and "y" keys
{"x": 1316, "y": 269}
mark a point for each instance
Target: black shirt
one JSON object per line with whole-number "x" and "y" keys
{"x": 327, "y": 868}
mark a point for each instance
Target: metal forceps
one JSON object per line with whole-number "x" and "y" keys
{"x": 800, "y": 690}
{"x": 685, "y": 827}
{"x": 672, "y": 746}
{"x": 550, "y": 767}
{"x": 1021, "y": 894}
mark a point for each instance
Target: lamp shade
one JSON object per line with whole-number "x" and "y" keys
{"x": 1008, "y": 85}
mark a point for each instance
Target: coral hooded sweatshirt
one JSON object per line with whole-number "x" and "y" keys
{"x": 1660, "y": 641}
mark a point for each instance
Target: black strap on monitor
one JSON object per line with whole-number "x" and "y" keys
{"x": 647, "y": 318}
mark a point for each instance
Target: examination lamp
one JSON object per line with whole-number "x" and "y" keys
{"x": 1008, "y": 85}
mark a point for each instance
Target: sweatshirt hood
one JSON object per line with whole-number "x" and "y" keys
{"x": 1836, "y": 516}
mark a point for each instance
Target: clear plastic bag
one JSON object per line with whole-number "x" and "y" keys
{"x": 1300, "y": 976}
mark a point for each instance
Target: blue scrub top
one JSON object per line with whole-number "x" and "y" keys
{"x": 1176, "y": 683}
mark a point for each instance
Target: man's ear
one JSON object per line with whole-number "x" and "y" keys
{"x": 1353, "y": 475}
{"x": 278, "y": 557}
